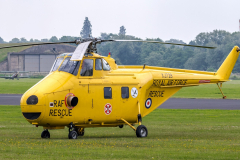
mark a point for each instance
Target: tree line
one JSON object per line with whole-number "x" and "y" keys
{"x": 139, "y": 53}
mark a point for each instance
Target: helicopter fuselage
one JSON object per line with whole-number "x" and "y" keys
{"x": 105, "y": 97}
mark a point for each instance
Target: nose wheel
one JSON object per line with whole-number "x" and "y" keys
{"x": 45, "y": 134}
{"x": 72, "y": 134}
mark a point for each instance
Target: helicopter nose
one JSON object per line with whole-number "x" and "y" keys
{"x": 32, "y": 106}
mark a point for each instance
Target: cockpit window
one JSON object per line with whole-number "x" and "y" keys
{"x": 87, "y": 67}
{"x": 106, "y": 66}
{"x": 98, "y": 64}
{"x": 69, "y": 66}
{"x": 56, "y": 64}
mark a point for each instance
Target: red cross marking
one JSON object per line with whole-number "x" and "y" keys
{"x": 108, "y": 109}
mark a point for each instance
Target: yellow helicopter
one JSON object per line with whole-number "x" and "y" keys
{"x": 84, "y": 89}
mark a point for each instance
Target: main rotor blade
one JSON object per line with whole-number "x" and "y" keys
{"x": 163, "y": 43}
{"x": 80, "y": 51}
{"x": 32, "y": 44}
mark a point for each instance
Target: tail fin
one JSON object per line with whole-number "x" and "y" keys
{"x": 227, "y": 66}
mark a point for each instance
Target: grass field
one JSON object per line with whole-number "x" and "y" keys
{"x": 173, "y": 134}
{"x": 230, "y": 89}
{"x": 16, "y": 86}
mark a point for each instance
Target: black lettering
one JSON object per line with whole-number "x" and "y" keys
{"x": 51, "y": 112}
{"x": 156, "y": 93}
{"x": 59, "y": 103}
{"x": 62, "y": 103}
{"x": 70, "y": 112}
{"x": 162, "y": 93}
{"x": 162, "y": 83}
{"x": 154, "y": 82}
{"x": 185, "y": 81}
{"x": 55, "y": 112}
{"x": 55, "y": 103}
{"x": 64, "y": 113}
{"x": 59, "y": 112}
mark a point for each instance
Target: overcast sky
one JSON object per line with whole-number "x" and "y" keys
{"x": 165, "y": 19}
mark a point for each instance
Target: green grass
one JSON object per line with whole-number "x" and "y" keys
{"x": 173, "y": 134}
{"x": 230, "y": 89}
{"x": 16, "y": 86}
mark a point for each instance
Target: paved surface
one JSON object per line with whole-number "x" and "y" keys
{"x": 10, "y": 99}
{"x": 181, "y": 103}
{"x": 172, "y": 103}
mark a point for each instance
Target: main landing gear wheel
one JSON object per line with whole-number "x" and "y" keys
{"x": 72, "y": 134}
{"x": 80, "y": 131}
{"x": 45, "y": 134}
{"x": 141, "y": 131}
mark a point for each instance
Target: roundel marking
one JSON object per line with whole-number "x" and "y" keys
{"x": 69, "y": 94}
{"x": 134, "y": 92}
{"x": 107, "y": 108}
{"x": 148, "y": 103}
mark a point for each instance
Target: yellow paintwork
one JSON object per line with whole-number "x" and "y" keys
{"x": 157, "y": 83}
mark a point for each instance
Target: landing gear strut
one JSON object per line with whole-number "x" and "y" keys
{"x": 45, "y": 134}
{"x": 141, "y": 130}
{"x": 80, "y": 131}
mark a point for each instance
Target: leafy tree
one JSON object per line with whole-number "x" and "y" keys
{"x": 15, "y": 40}
{"x": 197, "y": 62}
{"x": 1, "y": 40}
{"x": 175, "y": 41}
{"x": 67, "y": 38}
{"x": 44, "y": 40}
{"x": 87, "y": 29}
{"x": 53, "y": 39}
{"x": 36, "y": 40}
{"x": 23, "y": 40}
{"x": 154, "y": 59}
{"x": 122, "y": 31}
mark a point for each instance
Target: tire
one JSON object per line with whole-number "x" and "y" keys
{"x": 141, "y": 131}
{"x": 45, "y": 134}
{"x": 120, "y": 126}
{"x": 72, "y": 135}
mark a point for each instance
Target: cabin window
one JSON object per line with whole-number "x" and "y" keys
{"x": 87, "y": 67}
{"x": 75, "y": 71}
{"x": 106, "y": 66}
{"x": 125, "y": 92}
{"x": 98, "y": 64}
{"x": 69, "y": 66}
{"x": 56, "y": 64}
{"x": 107, "y": 92}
